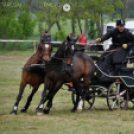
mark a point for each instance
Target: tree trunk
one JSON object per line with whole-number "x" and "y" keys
{"x": 73, "y": 25}
{"x": 50, "y": 26}
{"x": 41, "y": 28}
{"x": 99, "y": 29}
{"x": 99, "y": 25}
{"x": 79, "y": 24}
{"x": 86, "y": 27}
{"x": 4, "y": 36}
{"x": 58, "y": 25}
{"x": 4, "y": 45}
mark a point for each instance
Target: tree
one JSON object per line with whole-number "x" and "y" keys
{"x": 49, "y": 14}
{"x": 92, "y": 30}
{"x": 27, "y": 24}
{"x": 96, "y": 12}
{"x": 9, "y": 26}
{"x": 127, "y": 5}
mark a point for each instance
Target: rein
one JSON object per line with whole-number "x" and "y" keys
{"x": 113, "y": 50}
{"x": 36, "y": 58}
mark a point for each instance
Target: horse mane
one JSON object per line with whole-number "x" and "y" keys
{"x": 57, "y": 58}
{"x": 59, "y": 52}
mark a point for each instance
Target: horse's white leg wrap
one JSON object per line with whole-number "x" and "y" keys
{"x": 15, "y": 108}
{"x": 41, "y": 106}
{"x": 80, "y": 104}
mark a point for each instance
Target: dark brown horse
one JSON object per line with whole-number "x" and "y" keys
{"x": 58, "y": 72}
{"x": 34, "y": 78}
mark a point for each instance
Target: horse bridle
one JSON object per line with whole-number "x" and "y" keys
{"x": 65, "y": 57}
{"x": 41, "y": 54}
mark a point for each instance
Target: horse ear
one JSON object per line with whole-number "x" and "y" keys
{"x": 68, "y": 38}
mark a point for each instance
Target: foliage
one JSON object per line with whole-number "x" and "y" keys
{"x": 9, "y": 25}
{"x": 27, "y": 24}
{"x": 92, "y": 30}
{"x": 60, "y": 35}
{"x": 50, "y": 14}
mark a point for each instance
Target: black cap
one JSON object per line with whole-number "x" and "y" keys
{"x": 46, "y": 31}
{"x": 120, "y": 23}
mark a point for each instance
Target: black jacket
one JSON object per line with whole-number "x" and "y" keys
{"x": 119, "y": 38}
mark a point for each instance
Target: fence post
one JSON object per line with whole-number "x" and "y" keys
{"x": 34, "y": 46}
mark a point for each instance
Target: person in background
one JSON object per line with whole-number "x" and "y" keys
{"x": 46, "y": 36}
{"x": 82, "y": 42}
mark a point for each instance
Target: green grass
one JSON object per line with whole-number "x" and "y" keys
{"x": 98, "y": 120}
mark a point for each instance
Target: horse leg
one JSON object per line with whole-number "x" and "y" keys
{"x": 51, "y": 95}
{"x": 29, "y": 99}
{"x": 21, "y": 90}
{"x": 39, "y": 110}
{"x": 84, "y": 94}
{"x": 78, "y": 93}
{"x": 49, "y": 104}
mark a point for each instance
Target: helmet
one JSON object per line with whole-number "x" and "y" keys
{"x": 120, "y": 23}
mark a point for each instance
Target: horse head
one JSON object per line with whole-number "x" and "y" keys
{"x": 45, "y": 50}
{"x": 70, "y": 46}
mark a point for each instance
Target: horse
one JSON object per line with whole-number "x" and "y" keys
{"x": 67, "y": 65}
{"x": 34, "y": 78}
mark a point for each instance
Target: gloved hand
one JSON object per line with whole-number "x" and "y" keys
{"x": 98, "y": 40}
{"x": 124, "y": 46}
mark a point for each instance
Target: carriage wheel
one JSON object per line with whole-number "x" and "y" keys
{"x": 117, "y": 96}
{"x": 89, "y": 101}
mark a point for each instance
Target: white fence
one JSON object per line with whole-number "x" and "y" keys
{"x": 34, "y": 42}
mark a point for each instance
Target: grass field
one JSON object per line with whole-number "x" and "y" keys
{"x": 98, "y": 120}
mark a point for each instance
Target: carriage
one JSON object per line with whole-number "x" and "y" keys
{"x": 117, "y": 87}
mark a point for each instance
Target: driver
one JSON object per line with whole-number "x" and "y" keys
{"x": 121, "y": 37}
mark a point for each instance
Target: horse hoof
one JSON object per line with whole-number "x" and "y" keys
{"x": 79, "y": 111}
{"x": 23, "y": 110}
{"x": 39, "y": 113}
{"x": 14, "y": 113}
{"x": 46, "y": 111}
{"x": 73, "y": 110}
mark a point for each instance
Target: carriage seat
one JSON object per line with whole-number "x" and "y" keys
{"x": 121, "y": 58}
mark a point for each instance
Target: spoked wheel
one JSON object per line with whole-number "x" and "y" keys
{"x": 89, "y": 101}
{"x": 117, "y": 96}
{"x": 131, "y": 104}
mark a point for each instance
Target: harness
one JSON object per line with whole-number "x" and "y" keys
{"x": 63, "y": 66}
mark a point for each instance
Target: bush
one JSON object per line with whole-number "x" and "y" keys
{"x": 60, "y": 35}
{"x": 27, "y": 24}
{"x": 92, "y": 30}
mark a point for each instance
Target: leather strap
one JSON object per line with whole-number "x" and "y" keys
{"x": 113, "y": 50}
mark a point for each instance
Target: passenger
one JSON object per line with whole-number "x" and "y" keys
{"x": 83, "y": 42}
{"x": 121, "y": 37}
{"x": 46, "y": 35}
